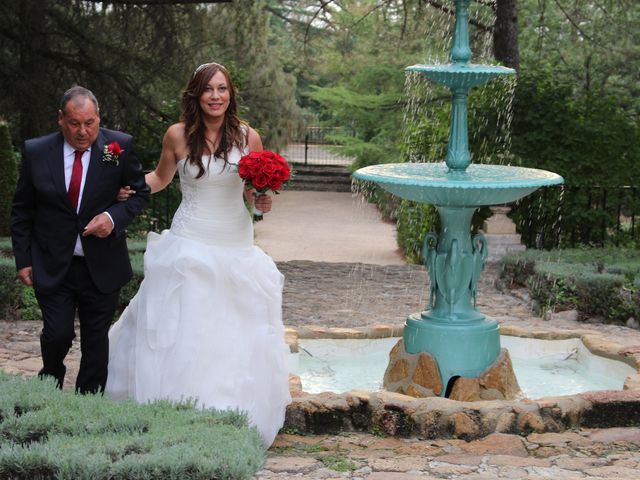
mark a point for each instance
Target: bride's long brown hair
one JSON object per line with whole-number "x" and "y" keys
{"x": 231, "y": 133}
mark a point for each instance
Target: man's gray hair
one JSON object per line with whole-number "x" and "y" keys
{"x": 75, "y": 92}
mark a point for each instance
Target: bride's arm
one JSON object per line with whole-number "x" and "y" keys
{"x": 168, "y": 163}
{"x": 159, "y": 178}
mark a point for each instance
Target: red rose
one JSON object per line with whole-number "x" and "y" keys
{"x": 274, "y": 184}
{"x": 243, "y": 169}
{"x": 255, "y": 169}
{"x": 264, "y": 170}
{"x": 114, "y": 149}
{"x": 268, "y": 168}
{"x": 260, "y": 181}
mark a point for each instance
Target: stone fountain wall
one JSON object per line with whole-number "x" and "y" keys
{"x": 435, "y": 417}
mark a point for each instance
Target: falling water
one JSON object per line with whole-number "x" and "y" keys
{"x": 428, "y": 105}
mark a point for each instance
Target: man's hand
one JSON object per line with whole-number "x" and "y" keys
{"x": 124, "y": 193}
{"x": 25, "y": 275}
{"x": 100, "y": 226}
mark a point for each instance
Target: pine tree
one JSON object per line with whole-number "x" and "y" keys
{"x": 9, "y": 177}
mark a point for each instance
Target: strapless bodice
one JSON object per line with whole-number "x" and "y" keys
{"x": 212, "y": 209}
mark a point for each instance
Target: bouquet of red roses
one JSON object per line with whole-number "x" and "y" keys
{"x": 264, "y": 170}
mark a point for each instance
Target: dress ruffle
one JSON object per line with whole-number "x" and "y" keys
{"x": 205, "y": 325}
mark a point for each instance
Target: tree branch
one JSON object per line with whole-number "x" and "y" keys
{"x": 157, "y": 2}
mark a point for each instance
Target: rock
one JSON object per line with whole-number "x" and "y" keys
{"x": 415, "y": 375}
{"x": 465, "y": 390}
{"x": 491, "y": 394}
{"x": 464, "y": 426}
{"x": 418, "y": 391}
{"x": 530, "y": 422}
{"x": 567, "y": 315}
{"x": 632, "y": 382}
{"x": 632, "y": 323}
{"x": 426, "y": 374}
{"x": 497, "y": 443}
{"x": 396, "y": 371}
{"x": 295, "y": 385}
{"x": 501, "y": 377}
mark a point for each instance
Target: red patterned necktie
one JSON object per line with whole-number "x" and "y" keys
{"x": 76, "y": 179}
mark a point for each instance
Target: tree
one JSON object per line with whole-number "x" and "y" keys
{"x": 136, "y": 57}
{"x": 8, "y": 179}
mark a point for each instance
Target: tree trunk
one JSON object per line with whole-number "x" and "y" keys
{"x": 505, "y": 34}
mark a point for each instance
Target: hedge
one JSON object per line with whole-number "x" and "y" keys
{"x": 18, "y": 301}
{"x": 602, "y": 282}
{"x": 46, "y": 433}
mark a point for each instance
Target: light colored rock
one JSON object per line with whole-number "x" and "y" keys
{"x": 291, "y": 464}
{"x": 295, "y": 385}
{"x": 426, "y": 374}
{"x": 397, "y": 476}
{"x": 464, "y": 426}
{"x": 501, "y": 377}
{"x": 497, "y": 443}
{"x": 528, "y": 421}
{"x": 465, "y": 390}
{"x": 397, "y": 371}
{"x": 611, "y": 435}
{"x": 505, "y": 422}
{"x": 566, "y": 315}
{"x": 491, "y": 394}
{"x": 417, "y": 391}
{"x": 399, "y": 464}
{"x": 557, "y": 439}
{"x": 632, "y": 382}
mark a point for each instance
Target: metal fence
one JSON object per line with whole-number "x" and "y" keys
{"x": 318, "y": 146}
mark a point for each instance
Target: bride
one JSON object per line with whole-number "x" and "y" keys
{"x": 206, "y": 323}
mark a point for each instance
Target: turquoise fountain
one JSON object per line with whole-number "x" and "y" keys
{"x": 461, "y": 340}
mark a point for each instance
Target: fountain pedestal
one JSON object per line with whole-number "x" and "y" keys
{"x": 454, "y": 261}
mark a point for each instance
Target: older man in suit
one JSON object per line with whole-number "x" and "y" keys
{"x": 68, "y": 233}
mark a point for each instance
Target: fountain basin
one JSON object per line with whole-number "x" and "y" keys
{"x": 543, "y": 367}
{"x": 477, "y": 186}
{"x": 460, "y": 75}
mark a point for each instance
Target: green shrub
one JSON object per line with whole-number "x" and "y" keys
{"x": 413, "y": 222}
{"x": 596, "y": 282}
{"x": 6, "y": 250}
{"x": 50, "y": 434}
{"x": 9, "y": 177}
{"x": 18, "y": 301}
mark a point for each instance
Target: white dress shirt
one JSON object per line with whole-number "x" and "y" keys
{"x": 69, "y": 157}
{"x": 69, "y": 154}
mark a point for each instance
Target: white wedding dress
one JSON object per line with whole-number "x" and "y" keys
{"x": 206, "y": 323}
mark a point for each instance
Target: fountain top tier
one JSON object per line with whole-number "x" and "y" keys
{"x": 460, "y": 75}
{"x": 455, "y": 182}
{"x": 478, "y": 185}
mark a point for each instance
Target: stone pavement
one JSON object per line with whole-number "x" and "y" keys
{"x": 587, "y": 454}
{"x": 323, "y": 291}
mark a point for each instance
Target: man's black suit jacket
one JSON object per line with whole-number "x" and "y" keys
{"x": 44, "y": 224}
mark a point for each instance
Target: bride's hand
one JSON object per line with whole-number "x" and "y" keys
{"x": 263, "y": 202}
{"x": 124, "y": 193}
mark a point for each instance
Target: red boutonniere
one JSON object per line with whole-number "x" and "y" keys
{"x": 111, "y": 153}
{"x": 264, "y": 171}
